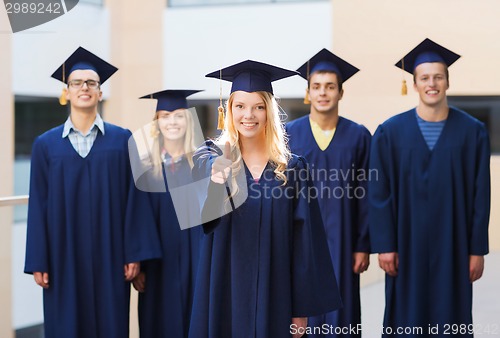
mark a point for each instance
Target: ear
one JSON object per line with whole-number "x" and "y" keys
{"x": 341, "y": 94}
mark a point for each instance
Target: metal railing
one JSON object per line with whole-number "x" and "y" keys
{"x": 13, "y": 200}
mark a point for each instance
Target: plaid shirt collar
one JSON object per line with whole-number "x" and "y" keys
{"x": 68, "y": 126}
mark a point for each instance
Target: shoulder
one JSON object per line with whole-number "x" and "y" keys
{"x": 465, "y": 119}
{"x": 297, "y": 162}
{"x": 116, "y": 131}
{"x": 207, "y": 148}
{"x": 353, "y": 127}
{"x": 297, "y": 123}
{"x": 397, "y": 120}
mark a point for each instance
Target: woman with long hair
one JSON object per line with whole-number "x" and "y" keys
{"x": 166, "y": 286}
{"x": 264, "y": 263}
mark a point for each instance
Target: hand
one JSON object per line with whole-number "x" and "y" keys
{"x": 139, "y": 282}
{"x": 389, "y": 262}
{"x": 360, "y": 262}
{"x": 131, "y": 270}
{"x": 300, "y": 326}
{"x": 222, "y": 166}
{"x": 42, "y": 279}
{"x": 476, "y": 267}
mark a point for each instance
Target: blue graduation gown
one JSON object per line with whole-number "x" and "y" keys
{"x": 165, "y": 306}
{"x": 263, "y": 263}
{"x": 77, "y": 232}
{"x": 432, "y": 208}
{"x": 340, "y": 173}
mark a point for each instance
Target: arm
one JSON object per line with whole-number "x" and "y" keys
{"x": 382, "y": 222}
{"x": 361, "y": 256}
{"x": 482, "y": 197}
{"x": 314, "y": 287}
{"x": 210, "y": 161}
{"x": 37, "y": 250}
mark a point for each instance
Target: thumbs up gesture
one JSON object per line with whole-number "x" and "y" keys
{"x": 222, "y": 166}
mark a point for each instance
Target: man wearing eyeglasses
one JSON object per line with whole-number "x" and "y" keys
{"x": 87, "y": 230}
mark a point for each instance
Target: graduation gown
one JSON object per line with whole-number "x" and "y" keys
{"x": 77, "y": 232}
{"x": 265, "y": 262}
{"x": 165, "y": 306}
{"x": 340, "y": 174}
{"x": 432, "y": 208}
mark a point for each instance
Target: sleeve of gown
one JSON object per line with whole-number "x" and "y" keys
{"x": 362, "y": 243}
{"x": 482, "y": 195}
{"x": 37, "y": 251}
{"x": 203, "y": 159}
{"x": 382, "y": 220}
{"x": 314, "y": 288}
{"x": 141, "y": 233}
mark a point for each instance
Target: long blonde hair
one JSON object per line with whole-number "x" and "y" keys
{"x": 189, "y": 144}
{"x": 276, "y": 141}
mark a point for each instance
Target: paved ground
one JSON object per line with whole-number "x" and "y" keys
{"x": 486, "y": 311}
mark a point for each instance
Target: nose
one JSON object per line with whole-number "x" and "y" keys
{"x": 248, "y": 113}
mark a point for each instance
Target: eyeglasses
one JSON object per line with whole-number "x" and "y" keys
{"x": 77, "y": 84}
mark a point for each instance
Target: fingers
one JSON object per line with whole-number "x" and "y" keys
{"x": 139, "y": 282}
{"x": 227, "y": 150}
{"x": 131, "y": 270}
{"x": 42, "y": 279}
{"x": 389, "y": 262}
{"x": 222, "y": 166}
{"x": 361, "y": 262}
{"x": 476, "y": 267}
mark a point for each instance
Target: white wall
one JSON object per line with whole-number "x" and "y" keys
{"x": 39, "y": 51}
{"x": 203, "y": 39}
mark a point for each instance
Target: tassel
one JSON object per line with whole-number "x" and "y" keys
{"x": 404, "y": 89}
{"x": 306, "y": 98}
{"x": 220, "y": 120}
{"x": 62, "y": 99}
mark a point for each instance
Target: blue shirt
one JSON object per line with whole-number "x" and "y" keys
{"x": 430, "y": 130}
{"x": 82, "y": 143}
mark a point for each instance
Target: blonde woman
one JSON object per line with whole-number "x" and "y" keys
{"x": 265, "y": 266}
{"x": 166, "y": 286}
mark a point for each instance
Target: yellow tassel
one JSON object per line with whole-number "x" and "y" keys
{"x": 220, "y": 120}
{"x": 62, "y": 98}
{"x": 306, "y": 98}
{"x": 404, "y": 89}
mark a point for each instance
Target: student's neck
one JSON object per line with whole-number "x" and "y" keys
{"x": 174, "y": 148}
{"x": 83, "y": 119}
{"x": 254, "y": 148}
{"x": 433, "y": 113}
{"x": 326, "y": 121}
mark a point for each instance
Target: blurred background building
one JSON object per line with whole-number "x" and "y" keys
{"x": 158, "y": 44}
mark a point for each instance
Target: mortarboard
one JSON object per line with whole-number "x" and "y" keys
{"x": 249, "y": 76}
{"x": 325, "y": 60}
{"x": 171, "y": 99}
{"x": 252, "y": 76}
{"x": 83, "y": 59}
{"x": 426, "y": 51}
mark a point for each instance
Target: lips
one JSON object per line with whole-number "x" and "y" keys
{"x": 249, "y": 124}
{"x": 432, "y": 92}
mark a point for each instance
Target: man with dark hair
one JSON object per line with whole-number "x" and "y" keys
{"x": 429, "y": 208}
{"x": 337, "y": 151}
{"x": 86, "y": 232}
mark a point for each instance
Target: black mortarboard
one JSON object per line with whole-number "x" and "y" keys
{"x": 83, "y": 59}
{"x": 252, "y": 76}
{"x": 171, "y": 99}
{"x": 325, "y": 60}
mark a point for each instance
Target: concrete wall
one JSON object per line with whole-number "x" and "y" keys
{"x": 6, "y": 174}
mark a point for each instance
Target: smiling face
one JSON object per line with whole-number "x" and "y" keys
{"x": 249, "y": 115}
{"x": 84, "y": 98}
{"x": 173, "y": 125}
{"x": 431, "y": 83}
{"x": 324, "y": 92}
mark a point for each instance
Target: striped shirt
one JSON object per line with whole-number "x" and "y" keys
{"x": 430, "y": 131}
{"x": 83, "y": 143}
